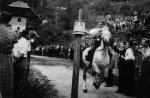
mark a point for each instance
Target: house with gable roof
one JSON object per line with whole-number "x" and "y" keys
{"x": 23, "y": 16}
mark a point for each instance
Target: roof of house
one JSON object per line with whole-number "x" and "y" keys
{"x": 21, "y": 9}
{"x": 19, "y": 4}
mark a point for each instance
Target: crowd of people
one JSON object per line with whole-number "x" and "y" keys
{"x": 133, "y": 64}
{"x": 133, "y": 67}
{"x": 129, "y": 22}
{"x": 55, "y": 50}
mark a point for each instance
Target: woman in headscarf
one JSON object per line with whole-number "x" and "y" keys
{"x": 20, "y": 52}
{"x": 7, "y": 40}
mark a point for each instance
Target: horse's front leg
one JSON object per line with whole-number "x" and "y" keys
{"x": 96, "y": 69}
{"x": 106, "y": 71}
{"x": 84, "y": 80}
{"x": 97, "y": 76}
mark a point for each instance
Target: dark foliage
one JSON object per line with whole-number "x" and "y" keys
{"x": 38, "y": 86}
{"x": 65, "y": 18}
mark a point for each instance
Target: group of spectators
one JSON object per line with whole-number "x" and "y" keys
{"x": 134, "y": 58}
{"x": 55, "y": 50}
{"x": 121, "y": 24}
{"x": 129, "y": 22}
{"x": 133, "y": 68}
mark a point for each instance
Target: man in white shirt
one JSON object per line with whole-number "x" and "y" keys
{"x": 20, "y": 50}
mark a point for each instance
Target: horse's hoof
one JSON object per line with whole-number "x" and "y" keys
{"x": 85, "y": 91}
{"x": 96, "y": 85}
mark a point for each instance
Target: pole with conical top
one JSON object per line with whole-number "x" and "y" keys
{"x": 79, "y": 29}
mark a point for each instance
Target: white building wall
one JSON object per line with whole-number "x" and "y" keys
{"x": 18, "y": 24}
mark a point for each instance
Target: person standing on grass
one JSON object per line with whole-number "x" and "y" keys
{"x": 7, "y": 40}
{"x": 20, "y": 52}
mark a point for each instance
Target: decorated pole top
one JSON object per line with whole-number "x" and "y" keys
{"x": 79, "y": 25}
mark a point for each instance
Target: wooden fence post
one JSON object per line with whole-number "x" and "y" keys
{"x": 79, "y": 29}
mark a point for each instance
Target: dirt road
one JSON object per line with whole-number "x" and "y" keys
{"x": 60, "y": 72}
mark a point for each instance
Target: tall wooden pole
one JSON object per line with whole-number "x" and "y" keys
{"x": 76, "y": 66}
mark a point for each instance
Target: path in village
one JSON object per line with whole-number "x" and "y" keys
{"x": 60, "y": 72}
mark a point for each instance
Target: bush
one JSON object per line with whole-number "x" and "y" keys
{"x": 41, "y": 86}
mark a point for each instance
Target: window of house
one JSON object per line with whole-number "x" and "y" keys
{"x": 19, "y": 19}
{"x": 18, "y": 28}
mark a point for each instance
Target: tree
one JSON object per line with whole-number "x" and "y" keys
{"x": 125, "y": 9}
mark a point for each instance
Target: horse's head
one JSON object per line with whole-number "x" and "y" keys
{"x": 102, "y": 33}
{"x": 106, "y": 35}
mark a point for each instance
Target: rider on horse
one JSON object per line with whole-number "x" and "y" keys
{"x": 100, "y": 57}
{"x": 97, "y": 39}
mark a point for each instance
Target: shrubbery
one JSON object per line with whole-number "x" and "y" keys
{"x": 39, "y": 86}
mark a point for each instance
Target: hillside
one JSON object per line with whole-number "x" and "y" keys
{"x": 65, "y": 18}
{"x": 47, "y": 7}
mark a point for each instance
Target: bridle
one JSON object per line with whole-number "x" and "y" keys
{"x": 101, "y": 39}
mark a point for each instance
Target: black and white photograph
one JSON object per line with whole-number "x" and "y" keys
{"x": 74, "y": 48}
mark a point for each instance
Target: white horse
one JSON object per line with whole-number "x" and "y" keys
{"x": 101, "y": 60}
